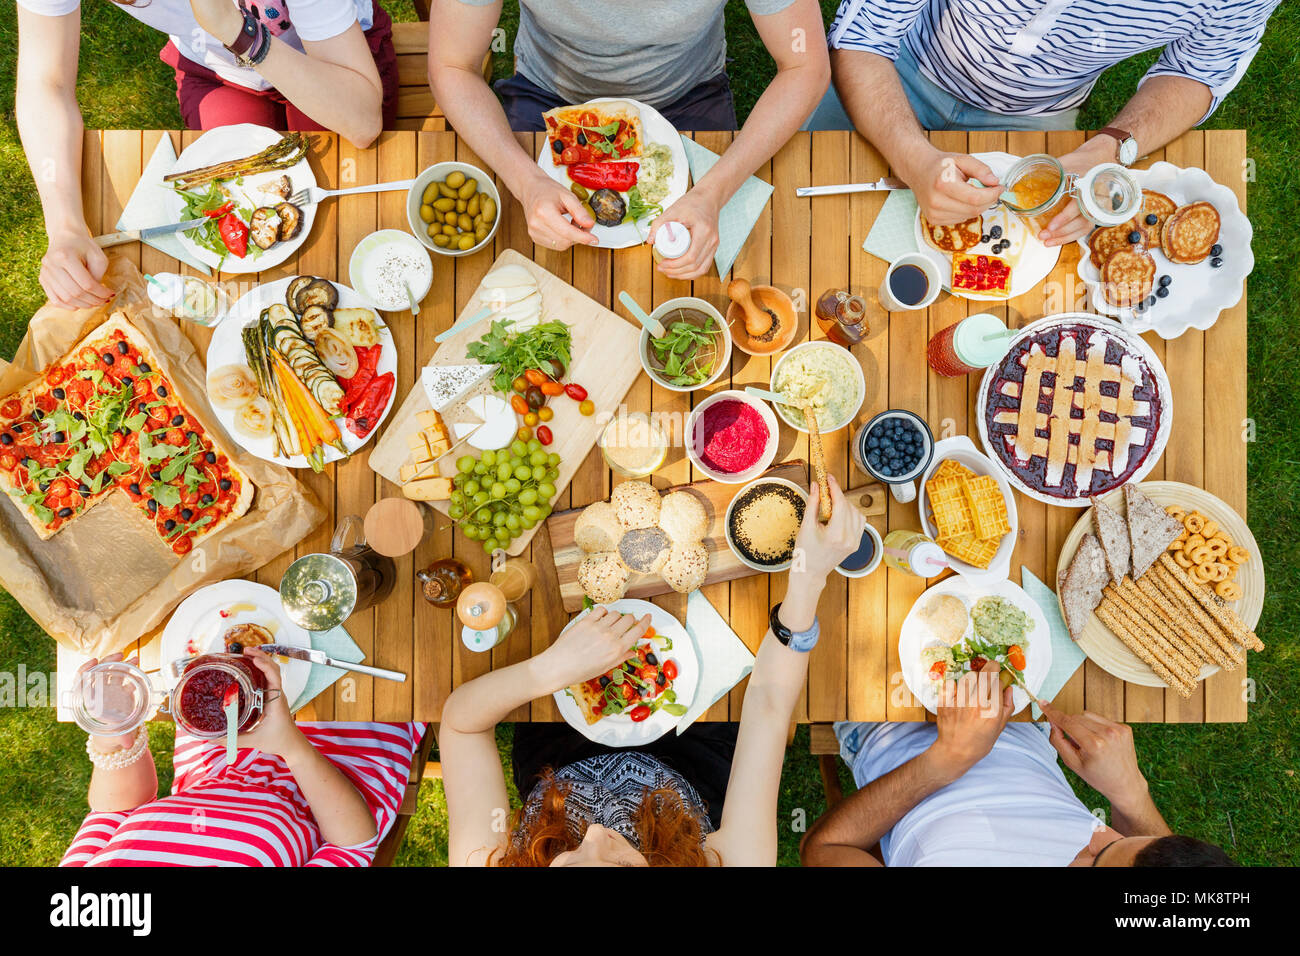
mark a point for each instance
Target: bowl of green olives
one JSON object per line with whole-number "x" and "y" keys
{"x": 453, "y": 208}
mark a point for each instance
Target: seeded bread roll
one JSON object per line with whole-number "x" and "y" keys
{"x": 686, "y": 567}
{"x": 683, "y": 518}
{"x": 637, "y": 505}
{"x": 597, "y": 528}
{"x": 603, "y": 577}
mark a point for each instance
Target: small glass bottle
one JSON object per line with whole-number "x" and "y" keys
{"x": 843, "y": 317}
{"x": 442, "y": 582}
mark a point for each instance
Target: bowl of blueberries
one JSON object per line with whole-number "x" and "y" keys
{"x": 894, "y": 447}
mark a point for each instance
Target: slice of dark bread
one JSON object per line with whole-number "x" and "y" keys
{"x": 1112, "y": 532}
{"x": 1150, "y": 529}
{"x": 1082, "y": 583}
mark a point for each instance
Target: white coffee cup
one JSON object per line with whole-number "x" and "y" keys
{"x": 926, "y": 265}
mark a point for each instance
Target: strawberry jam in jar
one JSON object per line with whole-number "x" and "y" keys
{"x": 197, "y": 699}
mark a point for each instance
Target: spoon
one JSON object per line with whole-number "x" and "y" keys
{"x": 230, "y": 705}
{"x": 653, "y": 326}
{"x": 463, "y": 324}
{"x": 779, "y": 397}
{"x": 410, "y": 297}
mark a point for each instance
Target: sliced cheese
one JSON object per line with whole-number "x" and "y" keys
{"x": 412, "y": 470}
{"x": 428, "y": 489}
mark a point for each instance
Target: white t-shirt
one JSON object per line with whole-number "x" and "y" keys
{"x": 1013, "y": 808}
{"x": 312, "y": 20}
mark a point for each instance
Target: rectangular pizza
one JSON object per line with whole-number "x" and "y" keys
{"x": 593, "y": 132}
{"x": 638, "y": 687}
{"x": 104, "y": 418}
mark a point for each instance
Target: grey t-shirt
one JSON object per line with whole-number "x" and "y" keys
{"x": 650, "y": 50}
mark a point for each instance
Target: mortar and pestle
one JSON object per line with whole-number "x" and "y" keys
{"x": 761, "y": 317}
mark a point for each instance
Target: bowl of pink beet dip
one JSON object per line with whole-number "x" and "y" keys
{"x": 731, "y": 436}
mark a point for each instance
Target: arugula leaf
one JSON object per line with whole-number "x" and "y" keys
{"x": 167, "y": 496}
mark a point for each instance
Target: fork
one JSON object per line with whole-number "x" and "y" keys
{"x": 314, "y": 194}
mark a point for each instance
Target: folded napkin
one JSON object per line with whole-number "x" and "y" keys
{"x": 893, "y": 234}
{"x": 148, "y": 206}
{"x": 337, "y": 643}
{"x": 736, "y": 219}
{"x": 1066, "y": 656}
{"x": 724, "y": 659}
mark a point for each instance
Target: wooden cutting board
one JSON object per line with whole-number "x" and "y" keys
{"x": 723, "y": 563}
{"x": 604, "y": 362}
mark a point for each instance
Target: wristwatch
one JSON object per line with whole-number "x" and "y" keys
{"x": 802, "y": 641}
{"x": 1128, "y": 146}
{"x": 249, "y": 48}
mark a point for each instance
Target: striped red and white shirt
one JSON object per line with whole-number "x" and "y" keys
{"x": 252, "y": 813}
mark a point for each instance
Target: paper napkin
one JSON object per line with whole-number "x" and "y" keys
{"x": 1066, "y": 656}
{"x": 736, "y": 219}
{"x": 148, "y": 207}
{"x": 724, "y": 659}
{"x": 893, "y": 234}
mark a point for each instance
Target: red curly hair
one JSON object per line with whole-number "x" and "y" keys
{"x": 668, "y": 832}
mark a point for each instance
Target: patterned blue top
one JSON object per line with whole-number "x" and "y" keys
{"x": 1030, "y": 57}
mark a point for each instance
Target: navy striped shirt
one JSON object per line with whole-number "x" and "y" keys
{"x": 1030, "y": 57}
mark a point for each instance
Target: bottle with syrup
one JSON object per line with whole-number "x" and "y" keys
{"x": 843, "y": 317}
{"x": 442, "y": 582}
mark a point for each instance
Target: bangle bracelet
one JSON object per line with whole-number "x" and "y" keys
{"x": 256, "y": 57}
{"x": 120, "y": 758}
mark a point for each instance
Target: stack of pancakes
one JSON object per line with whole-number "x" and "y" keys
{"x": 1183, "y": 234}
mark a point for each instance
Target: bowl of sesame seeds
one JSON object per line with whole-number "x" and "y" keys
{"x": 762, "y": 521}
{"x": 385, "y": 264}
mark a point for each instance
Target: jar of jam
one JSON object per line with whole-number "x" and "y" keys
{"x": 197, "y": 697}
{"x": 1036, "y": 188}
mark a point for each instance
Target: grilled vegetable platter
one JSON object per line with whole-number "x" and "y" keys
{"x": 302, "y": 372}
{"x": 242, "y": 179}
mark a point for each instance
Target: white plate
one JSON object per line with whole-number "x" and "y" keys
{"x": 227, "y": 348}
{"x": 655, "y": 130}
{"x": 1031, "y": 261}
{"x": 964, "y": 452}
{"x": 1198, "y": 293}
{"x": 1135, "y": 345}
{"x": 915, "y": 635}
{"x": 197, "y": 624}
{"x": 619, "y": 730}
{"x": 235, "y": 142}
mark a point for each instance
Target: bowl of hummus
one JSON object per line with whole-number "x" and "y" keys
{"x": 825, "y": 377}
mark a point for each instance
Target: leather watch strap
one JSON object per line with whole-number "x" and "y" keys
{"x": 1119, "y": 135}
{"x": 248, "y": 36}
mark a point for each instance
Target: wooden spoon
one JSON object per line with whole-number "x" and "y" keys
{"x": 758, "y": 320}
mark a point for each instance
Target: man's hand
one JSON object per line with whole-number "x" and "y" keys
{"x": 1069, "y": 224}
{"x": 72, "y": 269}
{"x": 971, "y": 714}
{"x": 1101, "y": 752}
{"x": 939, "y": 181}
{"x": 545, "y": 204}
{"x": 698, "y": 212}
{"x": 600, "y": 641}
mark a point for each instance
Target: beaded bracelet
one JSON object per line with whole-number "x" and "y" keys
{"x": 119, "y": 759}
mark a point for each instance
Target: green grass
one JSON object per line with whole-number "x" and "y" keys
{"x": 1232, "y": 784}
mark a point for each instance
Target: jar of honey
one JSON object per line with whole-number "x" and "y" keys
{"x": 196, "y": 701}
{"x": 1036, "y": 188}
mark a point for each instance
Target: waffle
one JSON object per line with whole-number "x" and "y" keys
{"x": 966, "y": 547}
{"x": 1127, "y": 276}
{"x": 956, "y": 238}
{"x": 988, "y": 507}
{"x": 1158, "y": 205}
{"x": 1190, "y": 233}
{"x": 951, "y": 467}
{"x": 949, "y": 505}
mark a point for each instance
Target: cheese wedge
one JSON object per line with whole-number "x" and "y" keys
{"x": 428, "y": 489}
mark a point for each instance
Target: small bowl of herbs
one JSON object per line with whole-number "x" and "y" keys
{"x": 695, "y": 349}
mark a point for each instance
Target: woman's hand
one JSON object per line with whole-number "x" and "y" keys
{"x": 220, "y": 18}
{"x": 102, "y": 743}
{"x": 277, "y": 733}
{"x": 698, "y": 212}
{"x": 820, "y": 547}
{"x": 602, "y": 640}
{"x": 71, "y": 271}
{"x": 545, "y": 204}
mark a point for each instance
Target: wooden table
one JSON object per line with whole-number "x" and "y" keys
{"x": 804, "y": 246}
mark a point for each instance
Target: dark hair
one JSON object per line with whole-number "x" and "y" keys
{"x": 1181, "y": 851}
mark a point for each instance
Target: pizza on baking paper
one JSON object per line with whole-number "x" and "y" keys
{"x": 593, "y": 132}
{"x": 638, "y": 687}
{"x": 104, "y": 418}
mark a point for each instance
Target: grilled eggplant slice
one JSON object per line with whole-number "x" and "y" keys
{"x": 290, "y": 220}
{"x": 317, "y": 292}
{"x": 608, "y": 207}
{"x": 264, "y": 227}
{"x": 314, "y": 320}
{"x": 296, "y": 286}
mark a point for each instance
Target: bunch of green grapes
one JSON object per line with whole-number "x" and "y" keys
{"x": 501, "y": 494}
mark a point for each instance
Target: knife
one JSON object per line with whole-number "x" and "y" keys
{"x": 142, "y": 235}
{"x": 884, "y": 182}
{"x": 313, "y": 656}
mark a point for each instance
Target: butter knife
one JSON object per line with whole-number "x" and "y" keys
{"x": 313, "y": 656}
{"x": 149, "y": 232}
{"x": 883, "y": 183}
